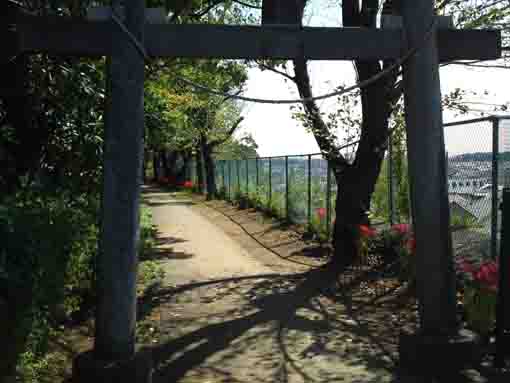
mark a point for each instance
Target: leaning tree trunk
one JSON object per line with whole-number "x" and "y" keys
{"x": 356, "y": 182}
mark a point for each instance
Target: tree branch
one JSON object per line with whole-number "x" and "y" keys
{"x": 205, "y": 11}
{"x": 322, "y": 134}
{"x": 229, "y": 134}
{"x": 244, "y": 4}
{"x": 482, "y": 66}
{"x": 270, "y": 68}
{"x": 225, "y": 99}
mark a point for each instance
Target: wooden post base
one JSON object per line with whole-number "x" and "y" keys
{"x": 138, "y": 369}
{"x": 424, "y": 355}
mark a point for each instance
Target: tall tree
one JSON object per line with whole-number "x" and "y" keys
{"x": 356, "y": 175}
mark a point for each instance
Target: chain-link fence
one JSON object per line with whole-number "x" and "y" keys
{"x": 477, "y": 160}
{"x": 302, "y": 188}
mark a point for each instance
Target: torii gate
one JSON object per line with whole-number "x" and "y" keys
{"x": 116, "y": 310}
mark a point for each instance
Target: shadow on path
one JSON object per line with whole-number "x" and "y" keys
{"x": 275, "y": 313}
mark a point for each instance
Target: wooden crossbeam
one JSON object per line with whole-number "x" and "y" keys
{"x": 66, "y": 36}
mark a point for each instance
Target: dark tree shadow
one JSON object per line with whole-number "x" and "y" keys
{"x": 317, "y": 251}
{"x": 361, "y": 336}
{"x": 168, "y": 240}
{"x": 212, "y": 338}
{"x": 168, "y": 202}
{"x": 277, "y": 299}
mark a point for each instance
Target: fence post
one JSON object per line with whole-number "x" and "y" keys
{"x": 247, "y": 178}
{"x": 270, "y": 185}
{"x": 238, "y": 177}
{"x": 229, "y": 179}
{"x": 503, "y": 304}
{"x": 287, "y": 188}
{"x": 328, "y": 199}
{"x": 309, "y": 186}
{"x": 494, "y": 205}
{"x": 224, "y": 181}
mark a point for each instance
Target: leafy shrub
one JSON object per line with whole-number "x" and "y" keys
{"x": 480, "y": 294}
{"x": 463, "y": 221}
{"x": 46, "y": 261}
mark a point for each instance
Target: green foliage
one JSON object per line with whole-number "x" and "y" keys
{"x": 480, "y": 306}
{"x": 463, "y": 221}
{"x": 259, "y": 196}
{"x": 147, "y": 232}
{"x": 48, "y": 254}
{"x": 46, "y": 262}
{"x": 319, "y": 226}
{"x": 36, "y": 368}
{"x": 149, "y": 273}
{"x": 244, "y": 147}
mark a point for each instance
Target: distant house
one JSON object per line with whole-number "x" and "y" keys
{"x": 477, "y": 207}
{"x": 467, "y": 179}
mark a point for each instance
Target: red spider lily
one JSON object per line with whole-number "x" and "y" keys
{"x": 467, "y": 267}
{"x": 401, "y": 228}
{"x": 366, "y": 231}
{"x": 487, "y": 275}
{"x": 411, "y": 245}
{"x": 188, "y": 184}
{"x": 321, "y": 212}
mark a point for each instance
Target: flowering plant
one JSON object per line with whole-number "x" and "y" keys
{"x": 484, "y": 276}
{"x": 480, "y": 293}
{"x": 321, "y": 213}
{"x": 404, "y": 244}
{"x": 366, "y": 235}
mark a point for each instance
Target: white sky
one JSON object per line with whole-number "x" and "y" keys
{"x": 277, "y": 133}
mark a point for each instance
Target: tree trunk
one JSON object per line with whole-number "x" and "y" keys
{"x": 163, "y": 162}
{"x": 181, "y": 173}
{"x": 210, "y": 172}
{"x": 15, "y": 325}
{"x": 356, "y": 183}
{"x": 22, "y": 155}
{"x": 155, "y": 165}
{"x": 200, "y": 176}
{"x": 144, "y": 169}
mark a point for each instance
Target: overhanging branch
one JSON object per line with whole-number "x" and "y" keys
{"x": 229, "y": 134}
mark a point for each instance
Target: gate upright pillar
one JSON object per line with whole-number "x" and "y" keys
{"x": 114, "y": 358}
{"x": 438, "y": 345}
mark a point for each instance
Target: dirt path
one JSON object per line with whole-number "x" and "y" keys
{"x": 196, "y": 248}
{"x": 231, "y": 312}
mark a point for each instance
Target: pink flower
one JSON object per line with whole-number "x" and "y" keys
{"x": 366, "y": 231}
{"x": 321, "y": 212}
{"x": 401, "y": 228}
